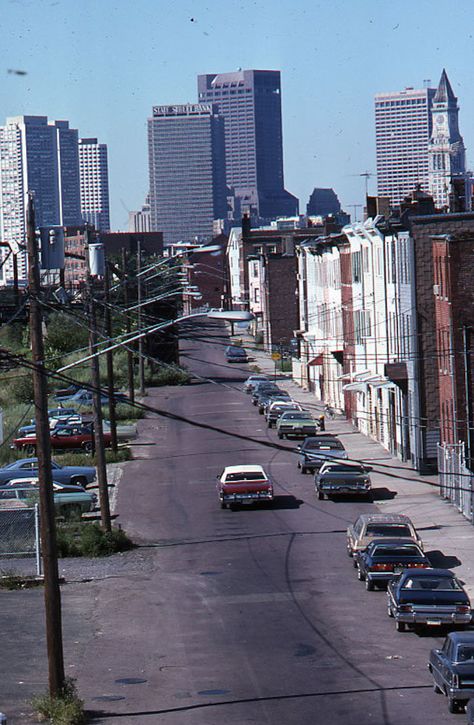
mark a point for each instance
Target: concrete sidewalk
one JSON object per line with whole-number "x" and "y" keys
{"x": 447, "y": 535}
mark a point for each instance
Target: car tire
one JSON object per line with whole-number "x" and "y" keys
{"x": 453, "y": 705}
{"x": 349, "y": 552}
{"x": 437, "y": 689}
{"x": 30, "y": 450}
{"x": 223, "y": 505}
{"x": 360, "y": 576}
{"x": 304, "y": 470}
{"x": 320, "y": 495}
{"x": 369, "y": 585}
{"x": 79, "y": 481}
{"x": 354, "y": 563}
{"x": 400, "y": 626}
{"x": 280, "y": 435}
{"x": 88, "y": 446}
{"x": 260, "y": 411}
{"x": 269, "y": 425}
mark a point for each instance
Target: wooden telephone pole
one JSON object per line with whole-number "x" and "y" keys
{"x": 52, "y": 594}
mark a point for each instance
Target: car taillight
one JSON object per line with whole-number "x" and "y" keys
{"x": 463, "y": 608}
{"x": 405, "y": 608}
{"x": 381, "y": 567}
{"x": 416, "y": 565}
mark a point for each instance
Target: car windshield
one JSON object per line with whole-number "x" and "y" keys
{"x": 324, "y": 445}
{"x": 465, "y": 653}
{"x": 245, "y": 476}
{"x": 395, "y": 531}
{"x": 439, "y": 584}
{"x": 397, "y": 552}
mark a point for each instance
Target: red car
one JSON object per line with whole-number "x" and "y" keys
{"x": 63, "y": 437}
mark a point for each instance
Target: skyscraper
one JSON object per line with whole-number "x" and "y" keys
{"x": 187, "y": 171}
{"x": 447, "y": 158}
{"x": 94, "y": 175}
{"x": 250, "y": 102}
{"x": 42, "y": 158}
{"x": 403, "y": 128}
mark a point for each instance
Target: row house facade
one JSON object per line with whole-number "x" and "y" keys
{"x": 386, "y": 317}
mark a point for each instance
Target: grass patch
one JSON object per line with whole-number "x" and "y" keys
{"x": 88, "y": 539}
{"x": 11, "y": 580}
{"x": 167, "y": 375}
{"x": 65, "y": 709}
{"x": 73, "y": 458}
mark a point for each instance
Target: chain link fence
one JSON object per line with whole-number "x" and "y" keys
{"x": 19, "y": 540}
{"x": 456, "y": 480}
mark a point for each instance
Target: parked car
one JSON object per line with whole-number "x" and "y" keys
{"x": 385, "y": 558}
{"x": 63, "y": 437}
{"x": 28, "y": 467}
{"x": 375, "y": 526}
{"x": 296, "y": 424}
{"x": 65, "y": 497}
{"x": 234, "y": 354}
{"x": 75, "y": 419}
{"x": 253, "y": 380}
{"x": 336, "y": 479}
{"x": 266, "y": 398}
{"x": 452, "y": 669}
{"x": 243, "y": 485}
{"x": 85, "y": 397}
{"x": 315, "y": 450}
{"x": 275, "y": 408}
{"x": 263, "y": 387}
{"x": 427, "y": 596}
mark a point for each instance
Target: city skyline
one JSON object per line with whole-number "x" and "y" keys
{"x": 328, "y": 80}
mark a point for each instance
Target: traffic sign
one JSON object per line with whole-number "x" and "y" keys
{"x": 276, "y": 356}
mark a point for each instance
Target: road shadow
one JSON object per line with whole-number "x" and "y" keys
{"x": 279, "y": 503}
{"x": 382, "y": 493}
{"x": 440, "y": 561}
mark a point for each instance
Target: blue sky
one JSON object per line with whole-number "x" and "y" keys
{"x": 103, "y": 64}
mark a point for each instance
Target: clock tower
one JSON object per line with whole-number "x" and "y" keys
{"x": 446, "y": 152}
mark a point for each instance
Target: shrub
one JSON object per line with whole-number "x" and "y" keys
{"x": 65, "y": 709}
{"x": 20, "y": 388}
{"x": 89, "y": 539}
{"x": 64, "y": 335}
{"x": 169, "y": 375}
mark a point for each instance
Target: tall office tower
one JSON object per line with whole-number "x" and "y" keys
{"x": 402, "y": 132}
{"x": 40, "y": 157}
{"x": 447, "y": 157}
{"x": 323, "y": 202}
{"x": 250, "y": 102}
{"x": 187, "y": 171}
{"x": 94, "y": 174}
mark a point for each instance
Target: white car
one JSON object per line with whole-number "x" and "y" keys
{"x": 252, "y": 380}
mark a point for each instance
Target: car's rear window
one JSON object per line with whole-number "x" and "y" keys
{"x": 439, "y": 584}
{"x": 392, "y": 530}
{"x": 246, "y": 476}
{"x": 297, "y": 416}
{"x": 325, "y": 445}
{"x": 465, "y": 653}
{"x": 397, "y": 552}
{"x": 343, "y": 469}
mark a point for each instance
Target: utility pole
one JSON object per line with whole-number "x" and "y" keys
{"x": 131, "y": 382}
{"x": 110, "y": 364}
{"x": 141, "y": 359}
{"x": 52, "y": 593}
{"x": 96, "y": 400}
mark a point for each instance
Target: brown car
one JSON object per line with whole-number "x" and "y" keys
{"x": 377, "y": 526}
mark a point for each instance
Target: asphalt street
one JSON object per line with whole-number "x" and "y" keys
{"x": 252, "y": 615}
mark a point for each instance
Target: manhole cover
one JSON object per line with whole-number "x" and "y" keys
{"x": 130, "y": 681}
{"x": 108, "y": 698}
{"x": 213, "y": 692}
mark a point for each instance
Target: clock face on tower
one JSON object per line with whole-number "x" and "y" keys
{"x": 439, "y": 120}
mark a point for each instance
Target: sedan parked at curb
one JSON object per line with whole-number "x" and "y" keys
{"x": 263, "y": 387}
{"x": 452, "y": 669}
{"x": 375, "y": 526}
{"x": 385, "y": 558}
{"x": 252, "y": 380}
{"x": 431, "y": 597}
{"x": 266, "y": 398}
{"x": 315, "y": 450}
{"x": 296, "y": 424}
{"x": 28, "y": 467}
{"x": 63, "y": 437}
{"x": 234, "y": 354}
{"x": 275, "y": 408}
{"x": 337, "y": 479}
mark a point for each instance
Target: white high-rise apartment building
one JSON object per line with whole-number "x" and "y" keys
{"x": 42, "y": 158}
{"x": 94, "y": 171}
{"x": 403, "y": 126}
